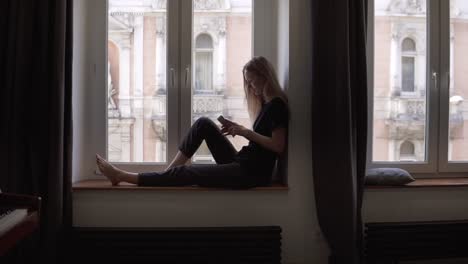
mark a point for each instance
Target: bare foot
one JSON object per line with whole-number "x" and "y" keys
{"x": 109, "y": 170}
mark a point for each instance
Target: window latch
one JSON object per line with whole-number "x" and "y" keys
{"x": 434, "y": 77}
{"x": 172, "y": 77}
{"x": 187, "y": 72}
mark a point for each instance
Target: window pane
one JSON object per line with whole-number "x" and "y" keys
{"x": 407, "y": 74}
{"x": 222, "y": 38}
{"x": 458, "y": 118}
{"x": 408, "y": 45}
{"x": 137, "y": 127}
{"x": 203, "y": 72}
{"x": 399, "y": 81}
{"x": 407, "y": 151}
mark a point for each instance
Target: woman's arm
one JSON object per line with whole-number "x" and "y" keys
{"x": 275, "y": 143}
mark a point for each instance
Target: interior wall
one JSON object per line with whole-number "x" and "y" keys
{"x": 293, "y": 210}
{"x": 422, "y": 204}
{"x": 264, "y": 30}
{"x": 80, "y": 77}
{"x": 89, "y": 75}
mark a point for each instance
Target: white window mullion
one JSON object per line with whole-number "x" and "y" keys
{"x": 432, "y": 84}
{"x": 185, "y": 68}
{"x": 173, "y": 72}
{"x": 444, "y": 87}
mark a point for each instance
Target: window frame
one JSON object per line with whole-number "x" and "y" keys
{"x": 428, "y": 168}
{"x": 438, "y": 84}
{"x": 179, "y": 77}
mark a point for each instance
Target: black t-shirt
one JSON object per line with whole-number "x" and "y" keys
{"x": 255, "y": 159}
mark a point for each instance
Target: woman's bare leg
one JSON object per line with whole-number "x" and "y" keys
{"x": 179, "y": 159}
{"x": 114, "y": 174}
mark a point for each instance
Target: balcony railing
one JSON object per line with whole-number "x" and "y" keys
{"x": 407, "y": 117}
{"x": 207, "y": 104}
{"x": 407, "y": 109}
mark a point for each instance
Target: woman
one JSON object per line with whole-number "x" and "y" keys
{"x": 251, "y": 166}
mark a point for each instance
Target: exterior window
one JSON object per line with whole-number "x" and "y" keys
{"x": 418, "y": 55}
{"x": 165, "y": 71}
{"x": 407, "y": 65}
{"x": 407, "y": 151}
{"x": 203, "y": 64}
{"x": 399, "y": 108}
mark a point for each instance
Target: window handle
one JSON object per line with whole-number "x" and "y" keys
{"x": 434, "y": 77}
{"x": 187, "y": 72}
{"x": 172, "y": 77}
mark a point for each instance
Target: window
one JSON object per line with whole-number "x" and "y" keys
{"x": 137, "y": 124}
{"x": 418, "y": 84}
{"x": 407, "y": 151}
{"x": 203, "y": 64}
{"x": 408, "y": 50}
{"x": 156, "y": 89}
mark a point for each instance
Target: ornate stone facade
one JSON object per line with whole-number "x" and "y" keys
{"x": 211, "y": 5}
{"x": 401, "y": 117}
{"x": 139, "y": 31}
{"x": 407, "y": 6}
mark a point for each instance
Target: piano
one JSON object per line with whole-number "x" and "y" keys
{"x": 19, "y": 218}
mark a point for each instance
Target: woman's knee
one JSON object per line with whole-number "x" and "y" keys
{"x": 204, "y": 123}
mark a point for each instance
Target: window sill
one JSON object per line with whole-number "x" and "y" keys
{"x": 106, "y": 185}
{"x": 424, "y": 183}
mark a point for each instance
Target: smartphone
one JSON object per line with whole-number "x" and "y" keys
{"x": 224, "y": 121}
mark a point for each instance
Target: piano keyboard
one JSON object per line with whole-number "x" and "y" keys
{"x": 9, "y": 217}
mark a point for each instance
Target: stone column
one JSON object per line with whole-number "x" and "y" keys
{"x": 124, "y": 93}
{"x": 160, "y": 58}
{"x": 452, "y": 61}
{"x": 138, "y": 89}
{"x": 221, "y": 62}
{"x": 394, "y": 57}
{"x": 124, "y": 101}
{"x": 392, "y": 150}
{"x": 159, "y": 99}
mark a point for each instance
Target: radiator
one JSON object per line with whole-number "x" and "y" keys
{"x": 392, "y": 242}
{"x": 178, "y": 245}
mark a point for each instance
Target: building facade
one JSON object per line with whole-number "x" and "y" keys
{"x": 138, "y": 81}
{"x": 400, "y": 81}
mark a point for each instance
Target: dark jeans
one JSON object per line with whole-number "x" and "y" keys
{"x": 226, "y": 173}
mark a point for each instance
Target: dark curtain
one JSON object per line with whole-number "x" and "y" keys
{"x": 35, "y": 110}
{"x": 339, "y": 122}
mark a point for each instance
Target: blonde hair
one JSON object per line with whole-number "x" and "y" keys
{"x": 261, "y": 67}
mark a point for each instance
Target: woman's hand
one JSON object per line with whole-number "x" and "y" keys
{"x": 275, "y": 143}
{"x": 235, "y": 129}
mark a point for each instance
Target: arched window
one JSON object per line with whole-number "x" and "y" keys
{"x": 203, "y": 63}
{"x": 407, "y": 150}
{"x": 408, "y": 57}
